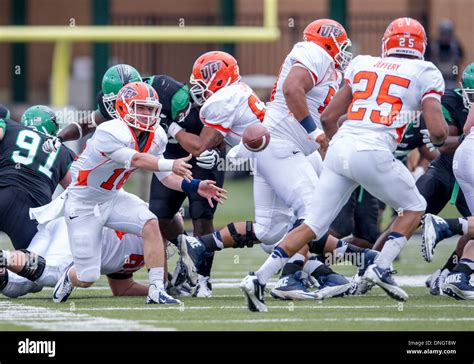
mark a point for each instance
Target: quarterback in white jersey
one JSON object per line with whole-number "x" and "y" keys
{"x": 48, "y": 254}
{"x": 361, "y": 153}
{"x": 95, "y": 197}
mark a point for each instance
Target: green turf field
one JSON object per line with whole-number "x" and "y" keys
{"x": 96, "y": 309}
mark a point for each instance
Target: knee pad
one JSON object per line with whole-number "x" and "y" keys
{"x": 317, "y": 246}
{"x": 34, "y": 266}
{"x": 242, "y": 241}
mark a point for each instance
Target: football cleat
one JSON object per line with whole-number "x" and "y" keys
{"x": 435, "y": 229}
{"x": 332, "y": 285}
{"x": 192, "y": 253}
{"x": 159, "y": 296}
{"x": 383, "y": 278}
{"x": 457, "y": 285}
{"x": 203, "y": 288}
{"x": 292, "y": 287}
{"x": 253, "y": 291}
{"x": 359, "y": 286}
{"x": 63, "y": 287}
{"x": 436, "y": 281}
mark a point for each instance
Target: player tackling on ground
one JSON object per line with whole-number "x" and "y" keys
{"x": 378, "y": 94}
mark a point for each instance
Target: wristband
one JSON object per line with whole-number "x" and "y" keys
{"x": 165, "y": 165}
{"x": 314, "y": 134}
{"x": 308, "y": 124}
{"x": 192, "y": 186}
{"x": 461, "y": 138}
{"x": 174, "y": 129}
{"x": 79, "y": 128}
{"x": 60, "y": 138}
{"x": 437, "y": 145}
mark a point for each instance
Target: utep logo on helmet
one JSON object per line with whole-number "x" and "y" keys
{"x": 128, "y": 92}
{"x": 330, "y": 29}
{"x": 209, "y": 69}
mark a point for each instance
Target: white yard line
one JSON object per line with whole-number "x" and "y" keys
{"x": 291, "y": 306}
{"x": 41, "y": 318}
{"x": 282, "y": 320}
{"x": 220, "y": 283}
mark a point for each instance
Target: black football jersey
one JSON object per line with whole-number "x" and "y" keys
{"x": 23, "y": 163}
{"x": 166, "y": 87}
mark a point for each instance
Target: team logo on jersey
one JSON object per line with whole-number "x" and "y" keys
{"x": 209, "y": 69}
{"x": 328, "y": 30}
{"x": 128, "y": 92}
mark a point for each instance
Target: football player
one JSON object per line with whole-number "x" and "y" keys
{"x": 378, "y": 94}
{"x": 457, "y": 282}
{"x": 42, "y": 264}
{"x": 286, "y": 170}
{"x": 178, "y": 112}
{"x": 29, "y": 175}
{"x": 96, "y": 199}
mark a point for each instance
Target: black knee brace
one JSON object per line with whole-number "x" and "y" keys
{"x": 241, "y": 241}
{"x": 317, "y": 246}
{"x": 34, "y": 266}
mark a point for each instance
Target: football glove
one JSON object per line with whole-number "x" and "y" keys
{"x": 207, "y": 159}
{"x": 52, "y": 144}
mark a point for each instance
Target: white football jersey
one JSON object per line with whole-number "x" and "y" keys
{"x": 278, "y": 118}
{"x": 121, "y": 253}
{"x": 231, "y": 109}
{"x": 104, "y": 166}
{"x": 387, "y": 95}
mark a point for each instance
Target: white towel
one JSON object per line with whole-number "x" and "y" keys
{"x": 51, "y": 211}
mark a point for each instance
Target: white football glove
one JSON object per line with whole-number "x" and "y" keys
{"x": 427, "y": 140}
{"x": 51, "y": 145}
{"x": 207, "y": 159}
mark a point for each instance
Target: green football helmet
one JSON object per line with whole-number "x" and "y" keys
{"x": 41, "y": 118}
{"x": 467, "y": 85}
{"x": 114, "y": 79}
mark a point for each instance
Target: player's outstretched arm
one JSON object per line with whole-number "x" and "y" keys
{"x": 205, "y": 188}
{"x": 194, "y": 144}
{"x": 336, "y": 108}
{"x": 152, "y": 163}
{"x": 433, "y": 115}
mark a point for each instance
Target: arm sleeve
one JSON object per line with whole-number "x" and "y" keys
{"x": 431, "y": 83}
{"x": 112, "y": 146}
{"x": 218, "y": 114}
{"x": 302, "y": 55}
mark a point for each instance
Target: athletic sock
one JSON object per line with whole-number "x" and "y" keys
{"x": 156, "y": 277}
{"x": 295, "y": 263}
{"x": 458, "y": 226}
{"x": 311, "y": 265}
{"x": 273, "y": 264}
{"x": 451, "y": 262}
{"x": 211, "y": 242}
{"x": 394, "y": 244}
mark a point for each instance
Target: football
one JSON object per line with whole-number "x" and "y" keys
{"x": 256, "y": 137}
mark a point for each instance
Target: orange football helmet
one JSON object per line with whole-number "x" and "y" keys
{"x": 211, "y": 72}
{"x": 332, "y": 37}
{"x": 404, "y": 36}
{"x": 130, "y": 98}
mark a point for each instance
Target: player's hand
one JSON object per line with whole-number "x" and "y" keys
{"x": 182, "y": 168}
{"x": 207, "y": 159}
{"x": 51, "y": 145}
{"x": 323, "y": 142}
{"x": 427, "y": 140}
{"x": 210, "y": 191}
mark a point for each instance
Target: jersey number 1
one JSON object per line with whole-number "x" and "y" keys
{"x": 109, "y": 184}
